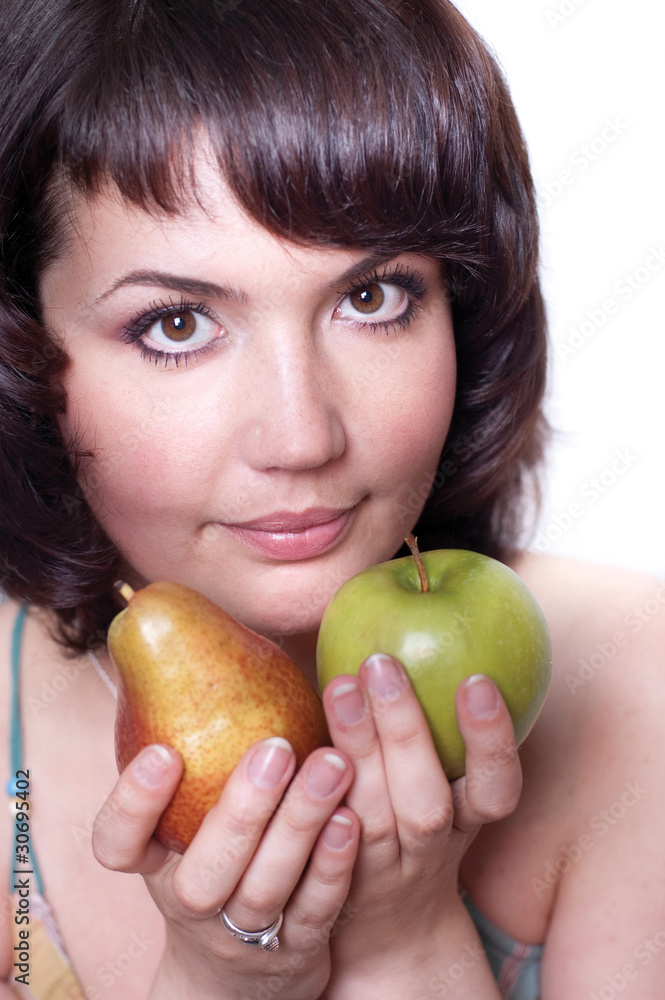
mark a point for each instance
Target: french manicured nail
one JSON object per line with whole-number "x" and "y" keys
{"x": 337, "y": 832}
{"x": 270, "y": 761}
{"x": 151, "y": 765}
{"x": 325, "y": 775}
{"x": 481, "y": 696}
{"x": 385, "y": 676}
{"x": 348, "y": 703}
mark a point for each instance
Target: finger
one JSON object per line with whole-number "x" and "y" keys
{"x": 419, "y": 791}
{"x": 285, "y": 848}
{"x": 346, "y": 702}
{"x": 321, "y": 895}
{"x": 229, "y": 834}
{"x": 491, "y": 787}
{"x": 122, "y": 833}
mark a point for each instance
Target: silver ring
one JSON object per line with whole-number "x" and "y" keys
{"x": 266, "y": 939}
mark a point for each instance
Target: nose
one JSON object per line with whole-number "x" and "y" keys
{"x": 293, "y": 405}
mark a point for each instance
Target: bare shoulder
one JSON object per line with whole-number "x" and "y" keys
{"x": 597, "y": 614}
{"x": 573, "y": 589}
{"x": 603, "y": 739}
{"x": 607, "y": 698}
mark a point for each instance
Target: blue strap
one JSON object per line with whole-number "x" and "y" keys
{"x": 16, "y": 735}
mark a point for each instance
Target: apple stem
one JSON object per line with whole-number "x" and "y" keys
{"x": 125, "y": 590}
{"x": 413, "y": 545}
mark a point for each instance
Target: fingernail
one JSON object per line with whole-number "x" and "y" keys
{"x": 269, "y": 763}
{"x": 151, "y": 765}
{"x": 325, "y": 775}
{"x": 481, "y": 696}
{"x": 337, "y": 832}
{"x": 349, "y": 704}
{"x": 385, "y": 676}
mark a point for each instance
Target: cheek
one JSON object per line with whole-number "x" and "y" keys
{"x": 143, "y": 454}
{"x": 410, "y": 421}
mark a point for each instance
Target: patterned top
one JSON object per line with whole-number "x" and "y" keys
{"x": 516, "y": 966}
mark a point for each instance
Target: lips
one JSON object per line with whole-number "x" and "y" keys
{"x": 291, "y": 521}
{"x": 291, "y": 535}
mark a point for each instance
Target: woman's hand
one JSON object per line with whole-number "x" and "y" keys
{"x": 270, "y": 844}
{"x": 403, "y": 907}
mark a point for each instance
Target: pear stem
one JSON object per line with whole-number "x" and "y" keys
{"x": 413, "y": 545}
{"x": 125, "y": 590}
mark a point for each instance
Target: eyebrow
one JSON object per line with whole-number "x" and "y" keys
{"x": 180, "y": 283}
{"x": 209, "y": 289}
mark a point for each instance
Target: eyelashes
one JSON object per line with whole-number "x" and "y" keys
{"x": 195, "y": 325}
{"x": 180, "y": 316}
{"x": 412, "y": 284}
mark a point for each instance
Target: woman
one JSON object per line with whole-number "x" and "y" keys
{"x": 270, "y": 302}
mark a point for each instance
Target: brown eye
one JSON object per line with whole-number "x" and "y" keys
{"x": 367, "y": 299}
{"x": 179, "y": 326}
{"x": 374, "y": 305}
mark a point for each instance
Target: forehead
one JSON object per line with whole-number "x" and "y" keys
{"x": 112, "y": 242}
{"x": 80, "y": 213}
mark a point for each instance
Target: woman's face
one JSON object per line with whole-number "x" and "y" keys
{"x": 219, "y": 376}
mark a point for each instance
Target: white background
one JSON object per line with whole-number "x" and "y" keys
{"x": 587, "y": 78}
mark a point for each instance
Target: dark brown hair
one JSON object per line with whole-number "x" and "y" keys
{"x": 382, "y": 124}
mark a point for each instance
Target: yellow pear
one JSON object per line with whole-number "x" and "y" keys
{"x": 193, "y": 677}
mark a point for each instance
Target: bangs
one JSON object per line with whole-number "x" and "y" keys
{"x": 333, "y": 123}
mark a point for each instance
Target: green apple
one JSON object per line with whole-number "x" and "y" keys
{"x": 445, "y": 615}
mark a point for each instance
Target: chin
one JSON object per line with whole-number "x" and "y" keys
{"x": 285, "y": 600}
{"x": 288, "y": 620}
